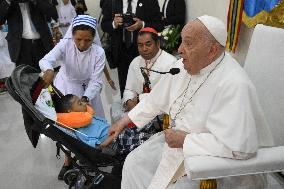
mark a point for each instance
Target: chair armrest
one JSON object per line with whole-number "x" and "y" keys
{"x": 207, "y": 167}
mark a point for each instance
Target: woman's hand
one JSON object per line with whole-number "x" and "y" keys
{"x": 48, "y": 77}
{"x": 85, "y": 99}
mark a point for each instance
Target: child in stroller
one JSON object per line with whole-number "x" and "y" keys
{"x": 90, "y": 175}
{"x": 73, "y": 112}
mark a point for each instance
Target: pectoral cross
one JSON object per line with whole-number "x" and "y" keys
{"x": 172, "y": 123}
{"x": 84, "y": 86}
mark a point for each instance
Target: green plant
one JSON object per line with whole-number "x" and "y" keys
{"x": 170, "y": 38}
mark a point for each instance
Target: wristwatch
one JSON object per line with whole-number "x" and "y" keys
{"x": 85, "y": 98}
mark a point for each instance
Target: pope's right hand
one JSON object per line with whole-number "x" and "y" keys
{"x": 118, "y": 126}
{"x": 115, "y": 130}
{"x": 48, "y": 77}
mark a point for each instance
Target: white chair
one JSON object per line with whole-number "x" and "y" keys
{"x": 265, "y": 66}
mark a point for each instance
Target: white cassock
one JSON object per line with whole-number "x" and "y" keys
{"x": 162, "y": 62}
{"x": 78, "y": 69}
{"x": 66, "y": 13}
{"x": 6, "y": 65}
{"x": 223, "y": 119}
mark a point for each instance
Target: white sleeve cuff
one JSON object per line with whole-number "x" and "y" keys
{"x": 113, "y": 25}
{"x": 196, "y": 144}
{"x": 135, "y": 118}
{"x": 45, "y": 66}
{"x": 128, "y": 95}
{"x": 143, "y": 96}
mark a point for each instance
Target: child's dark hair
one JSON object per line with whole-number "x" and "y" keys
{"x": 84, "y": 28}
{"x": 64, "y": 104}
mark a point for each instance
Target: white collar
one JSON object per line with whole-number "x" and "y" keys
{"x": 212, "y": 65}
{"x": 155, "y": 57}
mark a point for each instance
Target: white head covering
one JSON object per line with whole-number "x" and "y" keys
{"x": 216, "y": 27}
{"x": 84, "y": 20}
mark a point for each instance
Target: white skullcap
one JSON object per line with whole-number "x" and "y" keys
{"x": 84, "y": 20}
{"x": 216, "y": 27}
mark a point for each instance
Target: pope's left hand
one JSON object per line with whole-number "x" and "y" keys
{"x": 175, "y": 138}
{"x": 136, "y": 26}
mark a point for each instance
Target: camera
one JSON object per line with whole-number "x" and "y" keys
{"x": 128, "y": 19}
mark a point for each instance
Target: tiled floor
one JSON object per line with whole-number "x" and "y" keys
{"x": 22, "y": 166}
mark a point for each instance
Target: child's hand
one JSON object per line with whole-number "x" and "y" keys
{"x": 107, "y": 142}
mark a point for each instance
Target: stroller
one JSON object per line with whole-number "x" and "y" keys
{"x": 89, "y": 175}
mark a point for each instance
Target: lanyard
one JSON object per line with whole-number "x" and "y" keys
{"x": 183, "y": 105}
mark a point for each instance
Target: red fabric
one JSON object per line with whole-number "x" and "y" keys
{"x": 131, "y": 125}
{"x": 146, "y": 89}
{"x": 36, "y": 89}
{"x": 148, "y": 29}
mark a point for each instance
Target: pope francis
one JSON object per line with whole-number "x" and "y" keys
{"x": 214, "y": 111}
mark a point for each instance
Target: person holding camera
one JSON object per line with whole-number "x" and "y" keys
{"x": 29, "y": 37}
{"x": 173, "y": 12}
{"x": 122, "y": 19}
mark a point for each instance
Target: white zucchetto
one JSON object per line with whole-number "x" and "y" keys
{"x": 216, "y": 27}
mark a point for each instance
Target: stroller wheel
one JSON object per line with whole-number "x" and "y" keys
{"x": 70, "y": 177}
